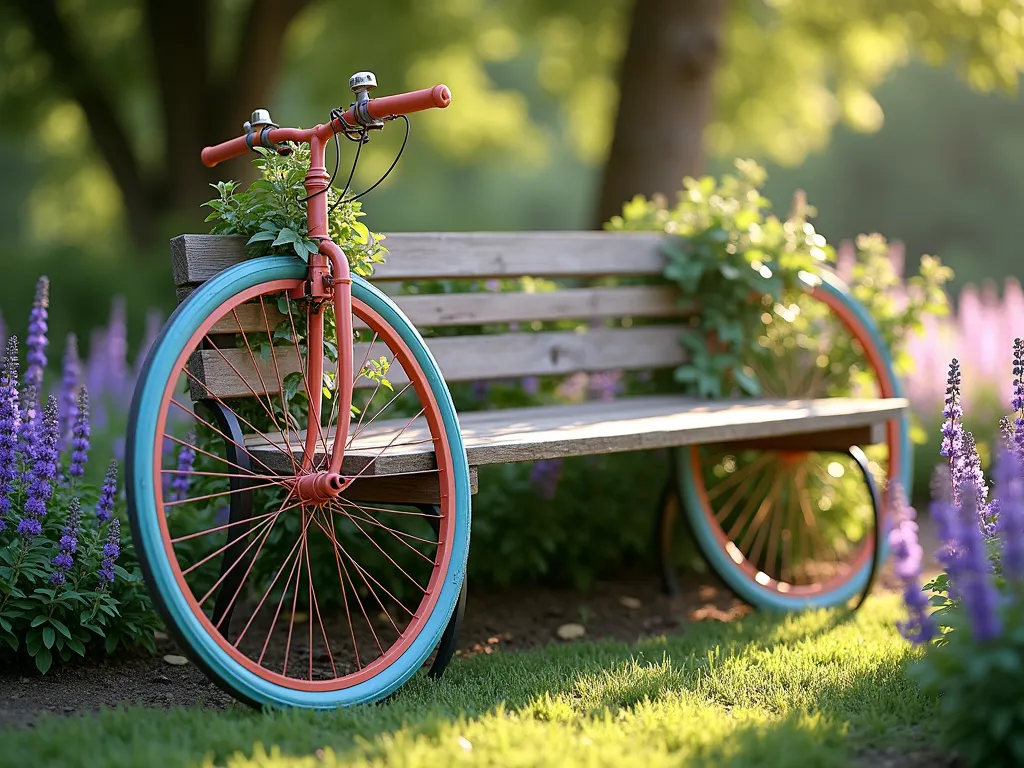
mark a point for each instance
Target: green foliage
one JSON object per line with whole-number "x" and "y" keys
{"x": 47, "y": 622}
{"x": 978, "y": 686}
{"x": 747, "y": 271}
{"x": 272, "y": 213}
{"x": 728, "y": 251}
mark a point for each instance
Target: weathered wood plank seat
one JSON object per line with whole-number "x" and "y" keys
{"x": 622, "y": 328}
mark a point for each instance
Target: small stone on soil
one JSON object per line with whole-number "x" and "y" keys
{"x": 630, "y": 602}
{"x": 571, "y": 631}
{"x": 175, "y": 660}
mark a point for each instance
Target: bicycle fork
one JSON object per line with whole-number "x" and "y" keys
{"x": 329, "y": 278}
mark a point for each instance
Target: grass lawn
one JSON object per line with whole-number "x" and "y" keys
{"x": 818, "y": 689}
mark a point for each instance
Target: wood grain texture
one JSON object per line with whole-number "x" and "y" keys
{"x": 230, "y": 372}
{"x": 461, "y": 255}
{"x": 629, "y": 424}
{"x": 419, "y": 487}
{"x": 473, "y": 309}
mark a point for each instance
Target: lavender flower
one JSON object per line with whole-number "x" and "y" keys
{"x": 80, "y": 434}
{"x": 117, "y": 349}
{"x": 64, "y": 561}
{"x": 180, "y": 480}
{"x": 29, "y": 428}
{"x": 952, "y": 413}
{"x": 105, "y": 505}
{"x": 9, "y": 424}
{"x": 545, "y": 476}
{"x": 531, "y": 385}
{"x": 69, "y": 387}
{"x": 918, "y": 628}
{"x": 1017, "y": 401}
{"x": 111, "y": 550}
{"x": 977, "y": 588}
{"x": 42, "y": 473}
{"x": 1010, "y": 483}
{"x": 36, "y": 341}
{"x": 95, "y": 378}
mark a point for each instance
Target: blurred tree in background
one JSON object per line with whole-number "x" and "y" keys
{"x": 562, "y": 109}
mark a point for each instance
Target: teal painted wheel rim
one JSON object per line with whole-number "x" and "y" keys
{"x": 728, "y": 561}
{"x": 146, "y": 530}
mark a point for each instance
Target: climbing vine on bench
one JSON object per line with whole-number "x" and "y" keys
{"x": 740, "y": 264}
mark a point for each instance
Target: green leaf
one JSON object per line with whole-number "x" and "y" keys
{"x": 44, "y": 659}
{"x": 61, "y": 627}
{"x": 110, "y": 644}
{"x": 41, "y": 619}
{"x": 285, "y": 236}
{"x": 77, "y": 646}
{"x": 260, "y": 237}
{"x": 48, "y": 636}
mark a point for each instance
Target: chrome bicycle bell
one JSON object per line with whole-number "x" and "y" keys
{"x": 361, "y": 82}
{"x": 260, "y": 119}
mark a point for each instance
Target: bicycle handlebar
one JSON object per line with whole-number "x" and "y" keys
{"x": 386, "y": 106}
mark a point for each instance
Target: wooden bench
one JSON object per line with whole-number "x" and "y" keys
{"x": 482, "y": 335}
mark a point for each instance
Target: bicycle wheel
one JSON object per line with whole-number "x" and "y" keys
{"x": 789, "y": 529}
{"x": 294, "y": 603}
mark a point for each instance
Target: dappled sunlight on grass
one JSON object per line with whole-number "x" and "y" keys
{"x": 812, "y": 689}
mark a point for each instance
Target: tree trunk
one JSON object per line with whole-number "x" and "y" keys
{"x": 665, "y": 99}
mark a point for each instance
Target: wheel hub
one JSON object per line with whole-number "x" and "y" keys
{"x": 319, "y": 488}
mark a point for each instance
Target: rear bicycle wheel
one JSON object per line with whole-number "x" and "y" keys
{"x": 327, "y": 604}
{"x": 790, "y": 529}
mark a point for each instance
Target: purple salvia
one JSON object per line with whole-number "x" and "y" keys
{"x": 531, "y": 385}
{"x": 117, "y": 349}
{"x": 111, "y": 550}
{"x": 29, "y": 426}
{"x": 1017, "y": 401}
{"x": 81, "y": 432}
{"x": 906, "y": 549}
{"x": 36, "y": 341}
{"x": 105, "y": 505}
{"x": 70, "y": 383}
{"x": 545, "y": 476}
{"x": 180, "y": 480}
{"x": 64, "y": 561}
{"x": 154, "y": 324}
{"x": 944, "y": 514}
{"x": 1006, "y": 433}
{"x": 978, "y": 592}
{"x": 1010, "y": 485}
{"x": 9, "y": 423}
{"x": 95, "y": 378}
{"x": 42, "y": 474}
{"x": 952, "y": 413}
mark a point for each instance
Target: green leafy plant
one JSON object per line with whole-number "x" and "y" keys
{"x": 272, "y": 213}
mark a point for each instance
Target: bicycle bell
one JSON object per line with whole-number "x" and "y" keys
{"x": 260, "y": 119}
{"x": 361, "y": 84}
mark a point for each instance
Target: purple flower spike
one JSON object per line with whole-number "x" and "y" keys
{"x": 65, "y": 559}
{"x": 979, "y": 592}
{"x": 42, "y": 473}
{"x": 117, "y": 349}
{"x": 1017, "y": 401}
{"x": 10, "y": 419}
{"x": 952, "y": 413}
{"x": 545, "y": 476}
{"x": 1010, "y": 482}
{"x": 80, "y": 434}
{"x": 186, "y": 460}
{"x": 906, "y": 549}
{"x": 36, "y": 341}
{"x": 69, "y": 385}
{"x": 105, "y": 505}
{"x": 29, "y": 428}
{"x": 111, "y": 551}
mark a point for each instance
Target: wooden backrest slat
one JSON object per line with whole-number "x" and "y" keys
{"x": 459, "y": 255}
{"x": 231, "y": 372}
{"x": 438, "y": 310}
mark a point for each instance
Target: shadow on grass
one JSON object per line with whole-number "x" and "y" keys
{"x": 770, "y": 690}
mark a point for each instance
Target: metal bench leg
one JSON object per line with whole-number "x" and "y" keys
{"x": 669, "y": 508}
{"x": 876, "y": 503}
{"x": 450, "y": 637}
{"x": 241, "y": 509}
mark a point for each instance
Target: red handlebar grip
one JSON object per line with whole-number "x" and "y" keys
{"x": 226, "y": 150}
{"x": 414, "y": 101}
